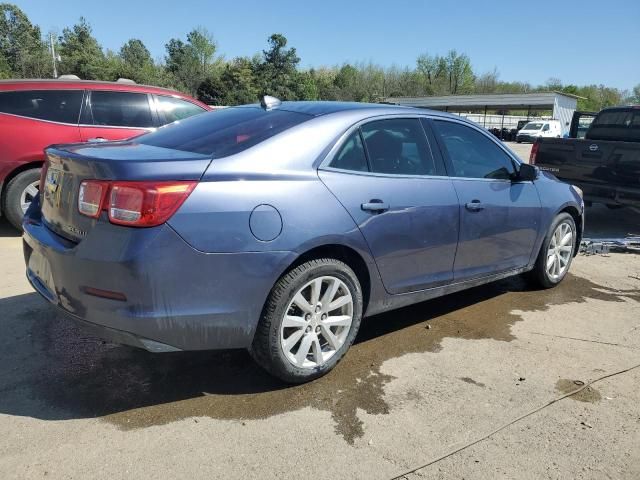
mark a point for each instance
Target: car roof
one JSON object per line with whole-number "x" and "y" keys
{"x": 321, "y": 107}
{"x": 67, "y": 84}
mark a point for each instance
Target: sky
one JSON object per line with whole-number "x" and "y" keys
{"x": 579, "y": 41}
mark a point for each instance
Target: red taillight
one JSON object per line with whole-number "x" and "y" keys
{"x": 91, "y": 196}
{"x": 136, "y": 204}
{"x": 534, "y": 153}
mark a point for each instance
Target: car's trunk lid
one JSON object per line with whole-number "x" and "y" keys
{"x": 67, "y": 166}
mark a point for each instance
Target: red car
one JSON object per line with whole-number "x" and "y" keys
{"x": 38, "y": 113}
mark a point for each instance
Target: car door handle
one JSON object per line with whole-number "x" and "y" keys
{"x": 474, "y": 206}
{"x": 97, "y": 140}
{"x": 375, "y": 205}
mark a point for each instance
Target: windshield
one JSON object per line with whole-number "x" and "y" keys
{"x": 223, "y": 132}
{"x": 533, "y": 126}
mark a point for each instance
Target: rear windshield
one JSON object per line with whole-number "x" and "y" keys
{"x": 616, "y": 125}
{"x": 223, "y": 132}
{"x": 532, "y": 126}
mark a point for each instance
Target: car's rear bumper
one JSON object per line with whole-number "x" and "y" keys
{"x": 177, "y": 298}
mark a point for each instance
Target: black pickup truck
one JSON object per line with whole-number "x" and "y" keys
{"x": 605, "y": 164}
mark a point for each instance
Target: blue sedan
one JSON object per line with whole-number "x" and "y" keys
{"x": 277, "y": 227}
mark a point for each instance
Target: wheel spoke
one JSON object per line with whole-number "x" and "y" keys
{"x": 291, "y": 341}
{"x": 32, "y": 190}
{"x": 330, "y": 294}
{"x": 316, "y": 287}
{"x": 566, "y": 240}
{"x": 291, "y": 321}
{"x": 302, "y": 303}
{"x": 337, "y": 321}
{"x": 550, "y": 261}
{"x": 340, "y": 302}
{"x": 557, "y": 265}
{"x": 25, "y": 206}
{"x": 330, "y": 337}
{"x": 317, "y": 350}
{"x": 304, "y": 348}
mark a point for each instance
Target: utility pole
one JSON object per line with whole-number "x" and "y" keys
{"x": 53, "y": 55}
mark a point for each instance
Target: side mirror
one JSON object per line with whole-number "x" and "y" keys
{"x": 527, "y": 173}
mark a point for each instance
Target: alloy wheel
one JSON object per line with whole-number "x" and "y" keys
{"x": 316, "y": 322}
{"x": 559, "y": 251}
{"x": 28, "y": 194}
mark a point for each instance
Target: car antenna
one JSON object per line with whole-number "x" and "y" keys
{"x": 268, "y": 102}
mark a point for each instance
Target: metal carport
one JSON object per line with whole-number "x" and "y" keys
{"x": 561, "y": 104}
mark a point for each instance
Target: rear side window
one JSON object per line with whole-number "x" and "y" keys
{"x": 53, "y": 105}
{"x": 172, "y": 108}
{"x": 223, "y": 132}
{"x": 473, "y": 154}
{"x": 351, "y": 155}
{"x": 616, "y": 125}
{"x": 398, "y": 146}
{"x": 121, "y": 109}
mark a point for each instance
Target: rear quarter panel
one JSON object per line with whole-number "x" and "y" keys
{"x": 22, "y": 140}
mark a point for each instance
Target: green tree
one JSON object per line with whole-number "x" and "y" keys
{"x": 81, "y": 53}
{"x": 634, "y": 97}
{"x": 22, "y": 51}
{"x": 190, "y": 62}
{"x": 277, "y": 74}
{"x": 135, "y": 54}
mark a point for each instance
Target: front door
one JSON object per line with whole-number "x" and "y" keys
{"x": 499, "y": 217}
{"x": 406, "y": 208}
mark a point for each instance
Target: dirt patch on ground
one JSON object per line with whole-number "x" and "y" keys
{"x": 588, "y": 394}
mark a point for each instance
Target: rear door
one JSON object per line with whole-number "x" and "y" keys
{"x": 115, "y": 115}
{"x": 499, "y": 218}
{"x": 393, "y": 183}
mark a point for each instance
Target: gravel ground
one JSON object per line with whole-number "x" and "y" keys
{"x": 457, "y": 387}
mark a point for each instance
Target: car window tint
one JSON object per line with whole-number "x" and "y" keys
{"x": 351, "y": 155}
{"x": 398, "y": 146}
{"x": 472, "y": 154}
{"x": 223, "y": 132}
{"x": 176, "y": 108}
{"x": 53, "y": 105}
{"x": 121, "y": 109}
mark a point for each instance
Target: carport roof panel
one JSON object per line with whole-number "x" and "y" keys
{"x": 514, "y": 100}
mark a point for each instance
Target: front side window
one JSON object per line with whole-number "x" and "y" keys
{"x": 121, "y": 109}
{"x": 532, "y": 126}
{"x": 398, "y": 146}
{"x": 351, "y": 155}
{"x": 173, "y": 108}
{"x": 224, "y": 132}
{"x": 472, "y": 154}
{"x": 53, "y": 105}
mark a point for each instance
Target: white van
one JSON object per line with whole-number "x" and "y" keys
{"x": 539, "y": 128}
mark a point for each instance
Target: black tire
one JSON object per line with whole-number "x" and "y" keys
{"x": 266, "y": 348}
{"x": 539, "y": 276}
{"x": 11, "y": 206}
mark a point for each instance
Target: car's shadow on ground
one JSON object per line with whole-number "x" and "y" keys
{"x": 51, "y": 370}
{"x": 7, "y": 230}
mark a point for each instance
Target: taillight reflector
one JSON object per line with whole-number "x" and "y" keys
{"x": 534, "y": 153}
{"x": 136, "y": 204}
{"x": 91, "y": 196}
